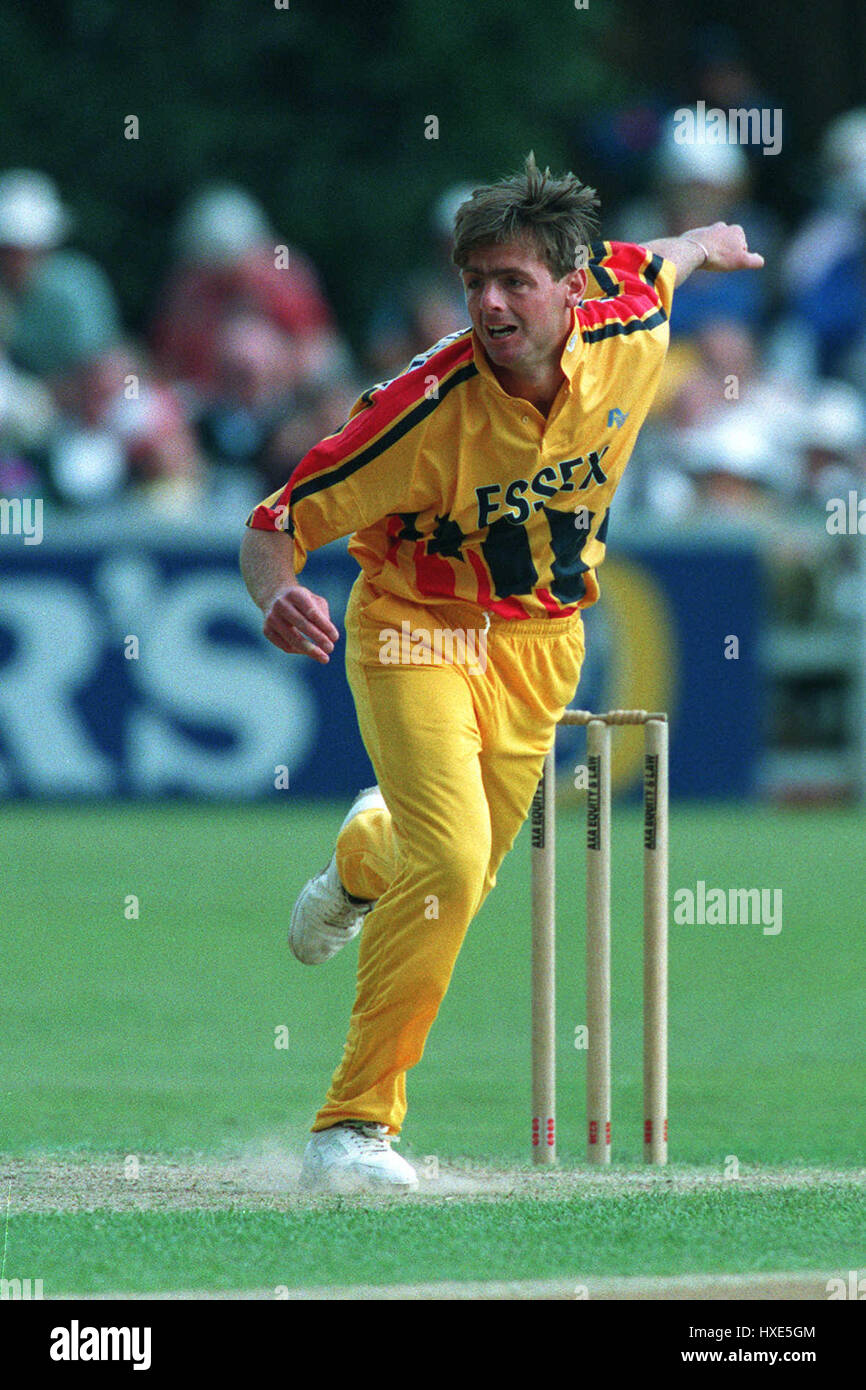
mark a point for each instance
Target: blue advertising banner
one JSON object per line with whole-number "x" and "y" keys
{"x": 132, "y": 664}
{"x": 677, "y": 629}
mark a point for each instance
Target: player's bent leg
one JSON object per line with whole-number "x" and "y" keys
{"x": 326, "y": 916}
{"x": 408, "y": 951}
{"x": 355, "y": 1156}
{"x": 420, "y": 729}
{"x": 429, "y": 732}
{"x": 366, "y": 855}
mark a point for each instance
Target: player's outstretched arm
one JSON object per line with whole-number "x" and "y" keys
{"x": 719, "y": 247}
{"x": 296, "y": 619}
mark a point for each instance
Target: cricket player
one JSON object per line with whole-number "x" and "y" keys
{"x": 476, "y": 487}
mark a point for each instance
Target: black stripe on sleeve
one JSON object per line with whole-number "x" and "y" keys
{"x": 615, "y": 329}
{"x": 386, "y": 441}
{"x": 606, "y": 283}
{"x": 652, "y": 271}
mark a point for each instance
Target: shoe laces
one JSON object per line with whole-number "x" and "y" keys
{"x": 338, "y": 922}
{"x": 378, "y": 1133}
{"x": 337, "y": 919}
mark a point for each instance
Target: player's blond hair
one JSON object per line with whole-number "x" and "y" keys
{"x": 557, "y": 215}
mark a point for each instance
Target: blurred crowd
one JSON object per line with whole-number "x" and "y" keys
{"x": 242, "y": 369}
{"x": 762, "y": 406}
{"x": 244, "y": 366}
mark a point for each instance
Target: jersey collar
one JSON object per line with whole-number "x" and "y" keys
{"x": 571, "y": 354}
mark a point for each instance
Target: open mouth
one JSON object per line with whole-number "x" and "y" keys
{"x": 502, "y": 331}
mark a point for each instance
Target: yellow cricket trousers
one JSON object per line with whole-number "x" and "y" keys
{"x": 458, "y": 750}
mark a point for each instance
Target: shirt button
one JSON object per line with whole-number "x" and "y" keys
{"x": 526, "y": 419}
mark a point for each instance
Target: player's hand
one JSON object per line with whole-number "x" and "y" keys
{"x": 727, "y": 247}
{"x": 297, "y": 621}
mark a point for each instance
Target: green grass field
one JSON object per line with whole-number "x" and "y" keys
{"x": 155, "y": 1039}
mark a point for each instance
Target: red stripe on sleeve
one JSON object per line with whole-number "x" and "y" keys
{"x": 264, "y": 518}
{"x": 626, "y": 264}
{"x": 388, "y": 406}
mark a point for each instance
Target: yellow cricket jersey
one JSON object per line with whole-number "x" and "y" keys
{"x": 454, "y": 490}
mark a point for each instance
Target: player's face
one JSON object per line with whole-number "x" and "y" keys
{"x": 520, "y": 313}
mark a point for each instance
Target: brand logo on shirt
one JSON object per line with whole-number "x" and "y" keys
{"x": 617, "y": 417}
{"x": 523, "y": 496}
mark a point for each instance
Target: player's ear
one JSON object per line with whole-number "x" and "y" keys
{"x": 576, "y": 283}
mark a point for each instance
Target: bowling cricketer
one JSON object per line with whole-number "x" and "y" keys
{"x": 476, "y": 487}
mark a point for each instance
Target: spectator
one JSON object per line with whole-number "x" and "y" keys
{"x": 317, "y": 414}
{"x": 696, "y": 184}
{"x": 253, "y": 395}
{"x": 823, "y": 278}
{"x": 726, "y": 354}
{"x": 835, "y": 443}
{"x": 739, "y": 467}
{"x": 122, "y": 428}
{"x": 728, "y": 375}
{"x": 231, "y": 263}
{"x": 727, "y": 432}
{"x": 833, "y": 229}
{"x": 721, "y": 77}
{"x": 27, "y": 417}
{"x": 620, "y": 137}
{"x": 260, "y": 421}
{"x": 59, "y": 310}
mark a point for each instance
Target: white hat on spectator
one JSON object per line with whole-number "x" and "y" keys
{"x": 737, "y": 442}
{"x": 31, "y": 213}
{"x": 698, "y": 161}
{"x": 220, "y": 223}
{"x": 836, "y": 420}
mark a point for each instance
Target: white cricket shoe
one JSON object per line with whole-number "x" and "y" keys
{"x": 325, "y": 917}
{"x": 355, "y": 1157}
